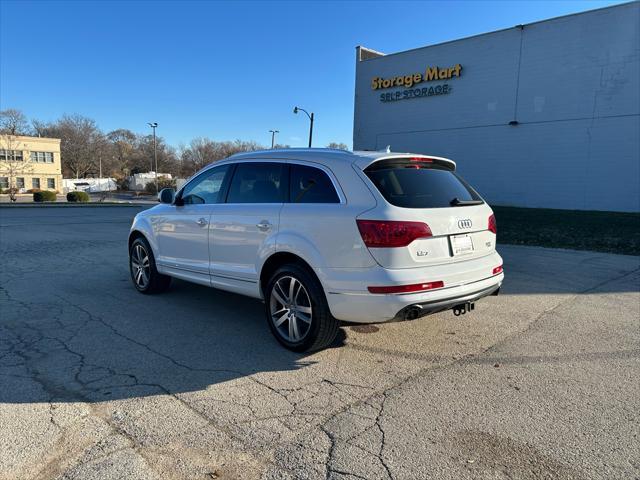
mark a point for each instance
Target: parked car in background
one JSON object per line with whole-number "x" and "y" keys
{"x": 322, "y": 236}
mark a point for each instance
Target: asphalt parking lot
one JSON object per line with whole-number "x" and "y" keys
{"x": 98, "y": 381}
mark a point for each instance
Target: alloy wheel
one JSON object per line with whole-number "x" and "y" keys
{"x": 290, "y": 308}
{"x": 140, "y": 266}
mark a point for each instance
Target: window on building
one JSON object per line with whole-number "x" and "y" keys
{"x": 311, "y": 185}
{"x": 19, "y": 182}
{"x": 42, "y": 157}
{"x": 11, "y": 155}
{"x": 4, "y": 182}
{"x": 35, "y": 183}
{"x": 51, "y": 183}
{"x": 256, "y": 183}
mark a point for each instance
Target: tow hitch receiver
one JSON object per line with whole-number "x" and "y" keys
{"x": 463, "y": 308}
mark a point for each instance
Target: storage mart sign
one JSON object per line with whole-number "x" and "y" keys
{"x": 431, "y": 74}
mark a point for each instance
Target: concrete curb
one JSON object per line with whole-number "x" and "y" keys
{"x": 73, "y": 205}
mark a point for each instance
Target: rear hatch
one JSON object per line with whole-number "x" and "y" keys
{"x": 429, "y": 215}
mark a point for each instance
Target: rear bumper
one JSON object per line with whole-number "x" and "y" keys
{"x": 420, "y": 309}
{"x": 349, "y": 299}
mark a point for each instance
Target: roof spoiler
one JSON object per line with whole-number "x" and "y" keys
{"x": 440, "y": 161}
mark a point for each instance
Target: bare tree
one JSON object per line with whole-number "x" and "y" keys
{"x": 80, "y": 139}
{"x": 39, "y": 128}
{"x": 13, "y": 164}
{"x": 200, "y": 152}
{"x": 203, "y": 151}
{"x": 143, "y": 158}
{"x": 238, "y": 146}
{"x": 14, "y": 122}
{"x": 338, "y": 146}
{"x": 122, "y": 151}
{"x": 84, "y": 148}
{"x": 79, "y": 136}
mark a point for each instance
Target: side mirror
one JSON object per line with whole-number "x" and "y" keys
{"x": 167, "y": 195}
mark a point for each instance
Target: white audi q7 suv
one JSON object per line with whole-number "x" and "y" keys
{"x": 322, "y": 236}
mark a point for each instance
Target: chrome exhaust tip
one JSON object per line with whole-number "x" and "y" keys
{"x": 412, "y": 313}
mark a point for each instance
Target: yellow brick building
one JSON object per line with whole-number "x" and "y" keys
{"x": 28, "y": 163}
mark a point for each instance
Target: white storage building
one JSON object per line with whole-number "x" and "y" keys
{"x": 539, "y": 115}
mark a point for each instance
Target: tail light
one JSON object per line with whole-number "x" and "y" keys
{"x": 417, "y": 287}
{"x": 493, "y": 226}
{"x": 497, "y": 270}
{"x": 383, "y": 233}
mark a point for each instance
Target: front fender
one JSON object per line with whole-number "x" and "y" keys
{"x": 142, "y": 224}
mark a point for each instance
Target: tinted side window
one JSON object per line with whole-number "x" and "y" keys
{"x": 311, "y": 185}
{"x": 256, "y": 183}
{"x": 206, "y": 188}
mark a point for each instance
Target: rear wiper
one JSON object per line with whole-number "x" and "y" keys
{"x": 456, "y": 202}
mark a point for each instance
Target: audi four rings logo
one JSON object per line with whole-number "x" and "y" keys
{"x": 466, "y": 223}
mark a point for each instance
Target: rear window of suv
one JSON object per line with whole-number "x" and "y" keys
{"x": 420, "y": 184}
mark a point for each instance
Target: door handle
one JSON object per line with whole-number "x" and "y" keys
{"x": 202, "y": 222}
{"x": 264, "y": 225}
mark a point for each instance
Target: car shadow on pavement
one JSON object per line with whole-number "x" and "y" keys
{"x": 69, "y": 347}
{"x": 82, "y": 333}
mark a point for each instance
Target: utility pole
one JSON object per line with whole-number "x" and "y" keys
{"x": 100, "y": 172}
{"x": 273, "y": 137}
{"x": 153, "y": 125}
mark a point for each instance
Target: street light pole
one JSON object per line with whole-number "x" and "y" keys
{"x": 153, "y": 125}
{"x": 273, "y": 137}
{"x": 296, "y": 110}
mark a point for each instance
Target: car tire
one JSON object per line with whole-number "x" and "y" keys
{"x": 142, "y": 267}
{"x": 305, "y": 311}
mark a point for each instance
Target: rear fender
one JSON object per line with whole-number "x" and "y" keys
{"x": 298, "y": 245}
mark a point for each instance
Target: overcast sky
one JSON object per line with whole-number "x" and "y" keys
{"x": 222, "y": 70}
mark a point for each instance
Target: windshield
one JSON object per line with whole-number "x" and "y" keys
{"x": 411, "y": 184}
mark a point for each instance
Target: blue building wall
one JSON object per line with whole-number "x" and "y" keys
{"x": 572, "y": 84}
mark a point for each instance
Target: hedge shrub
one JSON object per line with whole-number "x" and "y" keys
{"x": 44, "y": 196}
{"x": 77, "y": 197}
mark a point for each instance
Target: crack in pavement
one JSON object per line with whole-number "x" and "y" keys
{"x": 440, "y": 367}
{"x": 29, "y": 350}
{"x": 310, "y": 407}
